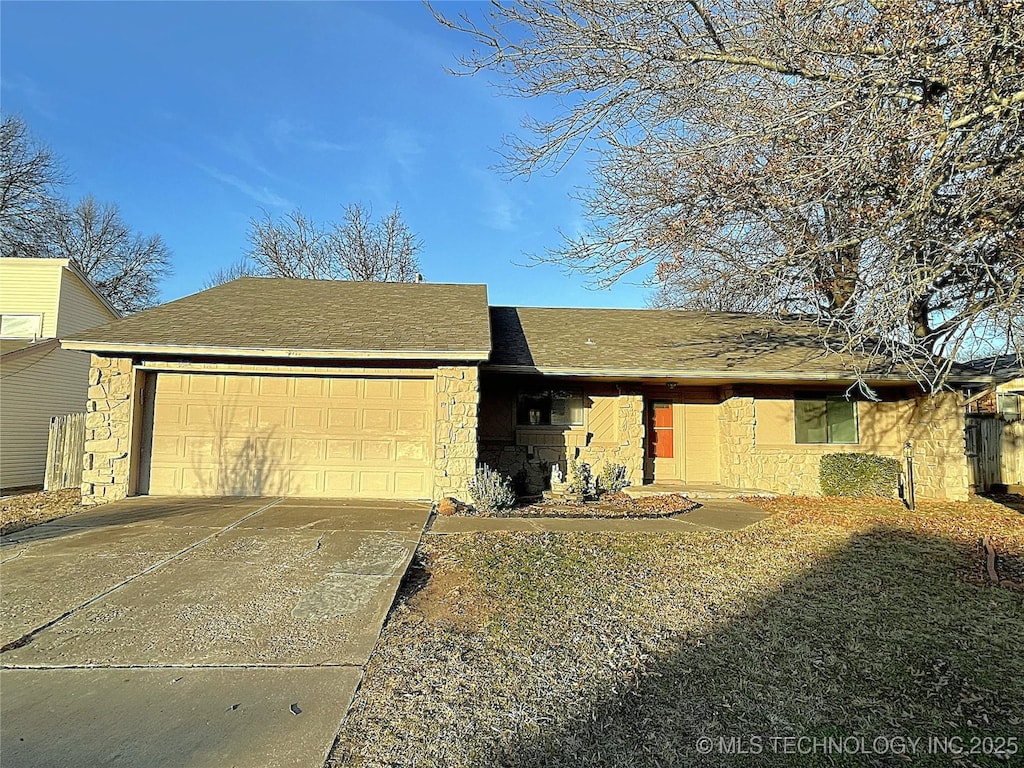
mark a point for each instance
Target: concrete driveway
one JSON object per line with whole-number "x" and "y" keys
{"x": 194, "y": 632}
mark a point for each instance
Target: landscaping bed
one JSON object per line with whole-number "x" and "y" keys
{"x": 834, "y": 617}
{"x": 27, "y": 509}
{"x": 609, "y": 505}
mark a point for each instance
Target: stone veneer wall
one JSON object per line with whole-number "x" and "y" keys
{"x": 629, "y": 452}
{"x": 108, "y": 430}
{"x": 938, "y": 435}
{"x": 935, "y": 425}
{"x": 455, "y": 423}
{"x": 530, "y": 465}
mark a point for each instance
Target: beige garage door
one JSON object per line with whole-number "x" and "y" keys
{"x": 228, "y": 434}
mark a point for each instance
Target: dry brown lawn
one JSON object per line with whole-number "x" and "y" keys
{"x": 27, "y": 509}
{"x": 830, "y": 618}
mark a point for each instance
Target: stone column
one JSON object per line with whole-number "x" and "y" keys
{"x": 736, "y": 442}
{"x": 108, "y": 430}
{"x": 456, "y": 417}
{"x": 631, "y": 433}
{"x": 940, "y": 459}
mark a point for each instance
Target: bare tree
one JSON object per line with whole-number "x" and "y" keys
{"x": 30, "y": 177}
{"x": 241, "y": 268}
{"x": 125, "y": 266}
{"x": 357, "y": 248}
{"x": 294, "y": 246}
{"x": 35, "y": 221}
{"x": 861, "y": 163}
{"x": 384, "y": 251}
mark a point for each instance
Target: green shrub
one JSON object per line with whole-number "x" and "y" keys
{"x": 490, "y": 490}
{"x": 578, "y": 477}
{"x": 859, "y": 474}
{"x": 612, "y": 478}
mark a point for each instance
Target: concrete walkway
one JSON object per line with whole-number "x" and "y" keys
{"x": 194, "y": 632}
{"x": 712, "y": 515}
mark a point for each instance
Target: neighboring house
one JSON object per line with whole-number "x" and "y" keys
{"x": 1005, "y": 395}
{"x": 41, "y": 301}
{"x": 269, "y": 386}
{"x": 995, "y": 429}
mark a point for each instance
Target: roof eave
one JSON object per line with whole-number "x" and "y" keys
{"x": 676, "y": 375}
{"x": 197, "y": 350}
{"x": 31, "y": 349}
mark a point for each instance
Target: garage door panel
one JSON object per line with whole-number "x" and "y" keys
{"x": 201, "y": 480}
{"x": 204, "y": 385}
{"x": 169, "y": 445}
{"x": 168, "y": 414}
{"x": 201, "y": 416}
{"x": 303, "y": 436}
{"x": 341, "y": 450}
{"x": 410, "y": 484}
{"x": 376, "y": 450}
{"x": 309, "y": 387}
{"x": 375, "y": 483}
{"x": 342, "y": 418}
{"x": 304, "y": 482}
{"x": 271, "y": 416}
{"x": 414, "y": 390}
{"x": 306, "y": 450}
{"x": 379, "y": 389}
{"x": 344, "y": 388}
{"x": 377, "y": 419}
{"x": 164, "y": 477}
{"x": 412, "y": 421}
{"x": 308, "y": 419}
{"x": 198, "y": 447}
{"x": 238, "y": 385}
{"x": 239, "y": 417}
{"x": 411, "y": 451}
{"x": 339, "y": 482}
{"x": 274, "y": 386}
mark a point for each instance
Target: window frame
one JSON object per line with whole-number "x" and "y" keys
{"x": 824, "y": 399}
{"x": 36, "y": 316}
{"x": 551, "y": 394}
{"x": 1009, "y": 414}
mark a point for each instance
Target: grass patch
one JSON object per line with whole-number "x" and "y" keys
{"x": 834, "y": 617}
{"x": 27, "y": 509}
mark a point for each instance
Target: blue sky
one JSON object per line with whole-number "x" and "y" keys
{"x": 194, "y": 117}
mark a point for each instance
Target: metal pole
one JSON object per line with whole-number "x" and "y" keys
{"x": 908, "y": 452}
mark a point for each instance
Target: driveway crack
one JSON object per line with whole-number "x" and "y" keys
{"x": 315, "y": 549}
{"x": 28, "y": 637}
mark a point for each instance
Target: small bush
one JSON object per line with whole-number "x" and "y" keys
{"x": 490, "y": 490}
{"x": 579, "y": 477}
{"x": 859, "y": 474}
{"x": 612, "y": 478}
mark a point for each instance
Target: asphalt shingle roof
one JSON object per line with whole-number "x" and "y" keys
{"x": 328, "y": 318}
{"x": 268, "y": 314}
{"x": 684, "y": 342}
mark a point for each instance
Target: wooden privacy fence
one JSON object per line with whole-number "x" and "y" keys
{"x": 995, "y": 451}
{"x": 65, "y": 452}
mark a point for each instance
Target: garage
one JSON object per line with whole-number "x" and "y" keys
{"x": 242, "y": 434}
{"x": 267, "y": 386}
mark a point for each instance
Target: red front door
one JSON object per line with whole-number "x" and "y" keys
{"x": 662, "y": 461}
{"x": 661, "y": 440}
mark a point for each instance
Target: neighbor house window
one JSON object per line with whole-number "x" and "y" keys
{"x": 21, "y": 326}
{"x": 1008, "y": 406}
{"x": 830, "y": 419}
{"x": 552, "y": 407}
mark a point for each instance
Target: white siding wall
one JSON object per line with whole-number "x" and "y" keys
{"x": 31, "y": 286}
{"x": 34, "y": 387}
{"x": 78, "y": 308}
